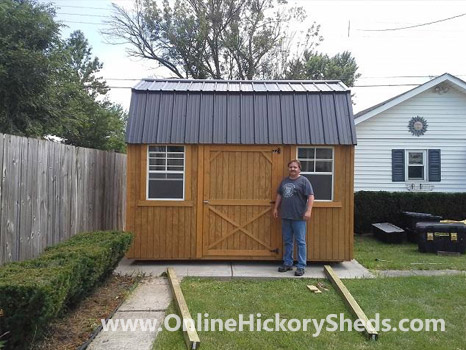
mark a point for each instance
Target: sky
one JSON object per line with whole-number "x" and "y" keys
{"x": 391, "y": 60}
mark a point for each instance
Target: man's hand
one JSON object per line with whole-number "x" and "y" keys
{"x": 307, "y": 215}
{"x": 275, "y": 213}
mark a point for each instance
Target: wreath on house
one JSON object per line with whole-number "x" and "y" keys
{"x": 418, "y": 126}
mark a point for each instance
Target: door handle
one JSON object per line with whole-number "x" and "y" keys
{"x": 206, "y": 202}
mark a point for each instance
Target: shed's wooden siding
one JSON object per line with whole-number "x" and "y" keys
{"x": 446, "y": 119}
{"x": 173, "y": 230}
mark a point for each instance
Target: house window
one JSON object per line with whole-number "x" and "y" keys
{"x": 165, "y": 172}
{"x": 416, "y": 165}
{"x": 317, "y": 166}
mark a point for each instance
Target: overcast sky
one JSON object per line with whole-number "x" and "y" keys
{"x": 386, "y": 54}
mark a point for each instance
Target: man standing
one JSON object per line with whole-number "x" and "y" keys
{"x": 294, "y": 198}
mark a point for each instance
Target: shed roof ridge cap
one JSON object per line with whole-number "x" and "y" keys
{"x": 260, "y": 81}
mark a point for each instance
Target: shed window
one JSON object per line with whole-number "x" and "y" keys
{"x": 317, "y": 166}
{"x": 165, "y": 172}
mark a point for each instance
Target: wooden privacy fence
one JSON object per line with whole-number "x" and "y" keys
{"x": 50, "y": 191}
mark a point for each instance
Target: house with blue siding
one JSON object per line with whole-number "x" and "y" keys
{"x": 415, "y": 141}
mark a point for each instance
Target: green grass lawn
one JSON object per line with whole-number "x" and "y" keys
{"x": 394, "y": 298}
{"x": 401, "y": 256}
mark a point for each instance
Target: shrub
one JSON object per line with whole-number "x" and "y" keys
{"x": 371, "y": 207}
{"x": 33, "y": 292}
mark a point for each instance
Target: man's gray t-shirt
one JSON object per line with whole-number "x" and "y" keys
{"x": 294, "y": 197}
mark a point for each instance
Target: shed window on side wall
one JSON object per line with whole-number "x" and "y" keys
{"x": 317, "y": 166}
{"x": 165, "y": 172}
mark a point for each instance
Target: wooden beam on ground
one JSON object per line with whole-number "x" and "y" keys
{"x": 350, "y": 302}
{"x": 189, "y": 330}
{"x": 314, "y": 289}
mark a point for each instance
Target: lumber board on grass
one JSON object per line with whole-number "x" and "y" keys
{"x": 190, "y": 335}
{"x": 350, "y": 302}
{"x": 314, "y": 289}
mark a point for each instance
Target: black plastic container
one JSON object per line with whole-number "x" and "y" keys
{"x": 388, "y": 233}
{"x": 434, "y": 237}
{"x": 412, "y": 218}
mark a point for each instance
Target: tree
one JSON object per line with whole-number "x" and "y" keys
{"x": 51, "y": 86}
{"x": 87, "y": 118}
{"x": 234, "y": 39}
{"x": 28, "y": 36}
{"x": 318, "y": 66}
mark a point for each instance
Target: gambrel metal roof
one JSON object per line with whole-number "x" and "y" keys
{"x": 173, "y": 111}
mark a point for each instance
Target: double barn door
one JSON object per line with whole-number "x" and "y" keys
{"x": 239, "y": 190}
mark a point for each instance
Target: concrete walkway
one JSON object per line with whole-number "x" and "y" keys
{"x": 347, "y": 269}
{"x": 148, "y": 301}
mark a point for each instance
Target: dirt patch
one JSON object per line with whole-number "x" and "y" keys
{"x": 77, "y": 325}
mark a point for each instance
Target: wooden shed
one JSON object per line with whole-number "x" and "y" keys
{"x": 205, "y": 158}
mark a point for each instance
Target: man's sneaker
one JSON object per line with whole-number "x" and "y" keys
{"x": 299, "y": 272}
{"x": 285, "y": 268}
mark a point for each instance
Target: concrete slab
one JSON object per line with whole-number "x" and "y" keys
{"x": 237, "y": 269}
{"x": 347, "y": 269}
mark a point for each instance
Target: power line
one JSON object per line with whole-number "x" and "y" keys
{"x": 77, "y": 22}
{"x": 82, "y": 15}
{"x": 84, "y": 7}
{"x": 414, "y": 26}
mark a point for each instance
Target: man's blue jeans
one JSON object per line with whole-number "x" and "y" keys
{"x": 296, "y": 228}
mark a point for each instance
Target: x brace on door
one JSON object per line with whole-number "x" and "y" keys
{"x": 239, "y": 227}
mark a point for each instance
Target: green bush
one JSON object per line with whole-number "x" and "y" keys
{"x": 372, "y": 207}
{"x": 33, "y": 292}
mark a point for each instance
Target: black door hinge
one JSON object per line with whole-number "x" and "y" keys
{"x": 278, "y": 150}
{"x": 276, "y": 250}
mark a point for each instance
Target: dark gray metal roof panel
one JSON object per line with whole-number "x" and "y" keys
{"x": 316, "y": 128}
{"x": 165, "y": 118}
{"x": 329, "y": 122}
{"x": 342, "y": 119}
{"x": 274, "y": 119}
{"x": 247, "y": 133}
{"x": 349, "y": 107}
{"x": 288, "y": 119}
{"x": 206, "y": 117}
{"x": 178, "y": 127}
{"x": 150, "y": 125}
{"x": 260, "y": 119}
{"x": 233, "y": 118}
{"x": 301, "y": 119}
{"x": 220, "y": 119}
{"x": 136, "y": 109}
{"x": 241, "y": 112}
{"x": 193, "y": 113}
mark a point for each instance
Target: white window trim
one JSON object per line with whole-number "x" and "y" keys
{"x": 165, "y": 172}
{"x": 321, "y": 173}
{"x": 424, "y": 161}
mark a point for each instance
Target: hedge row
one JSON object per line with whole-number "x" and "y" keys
{"x": 372, "y": 207}
{"x": 33, "y": 292}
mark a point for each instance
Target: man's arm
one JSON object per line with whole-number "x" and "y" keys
{"x": 278, "y": 201}
{"x": 310, "y": 202}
